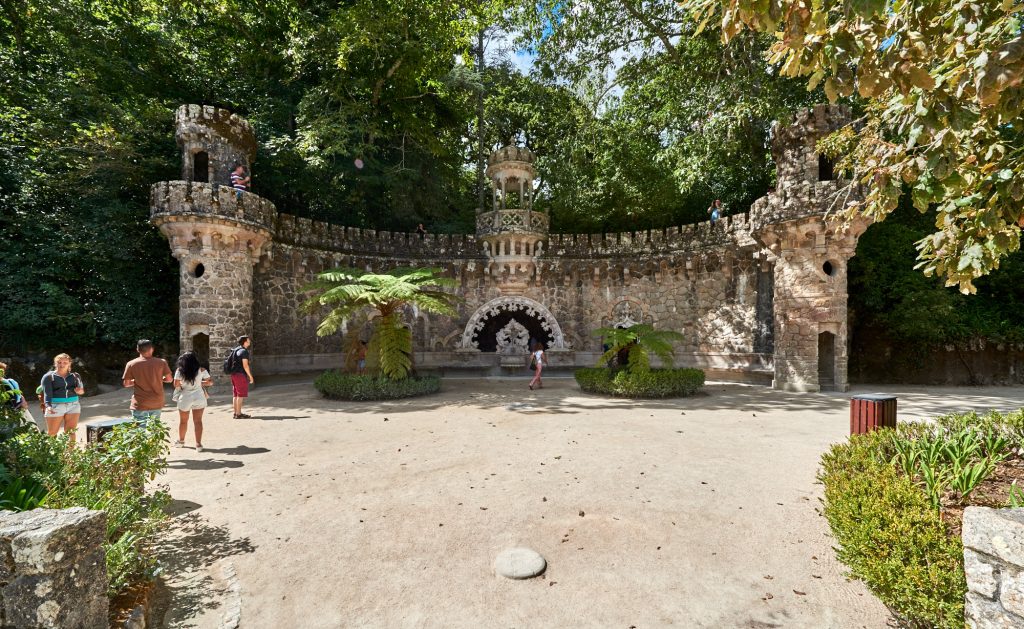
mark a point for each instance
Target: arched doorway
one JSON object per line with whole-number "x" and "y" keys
{"x": 827, "y": 361}
{"x": 201, "y": 346}
{"x": 481, "y": 330}
{"x": 201, "y": 167}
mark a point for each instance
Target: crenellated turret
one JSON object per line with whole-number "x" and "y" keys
{"x": 512, "y": 233}
{"x": 216, "y": 233}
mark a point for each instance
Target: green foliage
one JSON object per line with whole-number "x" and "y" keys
{"x": 650, "y": 383}
{"x": 891, "y": 300}
{"x": 942, "y": 83}
{"x": 111, "y": 478}
{"x": 338, "y": 385}
{"x": 640, "y": 341}
{"x": 347, "y": 291}
{"x": 890, "y": 536}
{"x": 21, "y": 494}
{"x": 662, "y": 122}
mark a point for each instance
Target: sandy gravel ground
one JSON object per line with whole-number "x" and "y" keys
{"x": 699, "y": 512}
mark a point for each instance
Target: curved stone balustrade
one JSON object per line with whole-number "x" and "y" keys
{"x": 512, "y": 222}
{"x": 171, "y": 201}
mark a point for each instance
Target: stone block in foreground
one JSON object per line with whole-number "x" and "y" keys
{"x": 994, "y": 564}
{"x": 53, "y": 569}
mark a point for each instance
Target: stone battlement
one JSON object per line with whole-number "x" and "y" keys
{"x": 511, "y": 154}
{"x": 730, "y": 231}
{"x": 310, "y": 234}
{"x": 201, "y": 120}
{"x": 171, "y": 201}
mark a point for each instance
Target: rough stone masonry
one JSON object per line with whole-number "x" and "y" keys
{"x": 53, "y": 571}
{"x": 759, "y": 296}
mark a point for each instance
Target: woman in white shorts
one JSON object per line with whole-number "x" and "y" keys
{"x": 190, "y": 380}
{"x": 61, "y": 389}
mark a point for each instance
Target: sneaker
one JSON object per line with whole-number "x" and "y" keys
{"x": 179, "y": 444}
{"x": 199, "y": 447}
{"x": 243, "y": 416}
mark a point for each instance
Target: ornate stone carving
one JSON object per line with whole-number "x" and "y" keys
{"x": 513, "y": 339}
{"x": 525, "y": 305}
{"x": 626, "y": 313}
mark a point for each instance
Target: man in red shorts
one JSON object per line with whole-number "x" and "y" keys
{"x": 241, "y": 376}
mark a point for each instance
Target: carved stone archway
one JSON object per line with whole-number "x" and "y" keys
{"x": 525, "y": 305}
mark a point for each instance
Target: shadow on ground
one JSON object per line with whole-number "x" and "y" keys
{"x": 187, "y": 550}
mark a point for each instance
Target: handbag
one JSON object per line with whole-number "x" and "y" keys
{"x": 176, "y": 395}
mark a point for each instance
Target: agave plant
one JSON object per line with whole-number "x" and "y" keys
{"x": 346, "y": 291}
{"x": 638, "y": 342}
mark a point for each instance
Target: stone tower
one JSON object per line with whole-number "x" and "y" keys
{"x": 216, "y": 234}
{"x": 512, "y": 233}
{"x": 808, "y": 252}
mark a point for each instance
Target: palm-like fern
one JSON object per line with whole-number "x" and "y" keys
{"x": 639, "y": 341}
{"x": 346, "y": 291}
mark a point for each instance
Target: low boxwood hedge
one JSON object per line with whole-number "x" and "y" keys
{"x": 640, "y": 384}
{"x": 890, "y": 536}
{"x": 339, "y": 385}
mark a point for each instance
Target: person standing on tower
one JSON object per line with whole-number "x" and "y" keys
{"x": 240, "y": 180}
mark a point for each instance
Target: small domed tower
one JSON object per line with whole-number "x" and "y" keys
{"x": 512, "y": 233}
{"x": 807, "y": 251}
{"x": 216, "y": 233}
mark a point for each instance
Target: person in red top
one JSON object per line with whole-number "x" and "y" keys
{"x": 147, "y": 375}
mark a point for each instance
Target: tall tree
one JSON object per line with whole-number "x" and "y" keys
{"x": 943, "y": 84}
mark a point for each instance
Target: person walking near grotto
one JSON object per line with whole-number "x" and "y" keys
{"x": 239, "y": 180}
{"x": 190, "y": 382}
{"x": 61, "y": 389}
{"x": 147, "y": 375}
{"x": 538, "y": 359}
{"x": 241, "y": 376}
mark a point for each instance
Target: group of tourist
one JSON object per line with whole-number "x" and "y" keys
{"x": 60, "y": 388}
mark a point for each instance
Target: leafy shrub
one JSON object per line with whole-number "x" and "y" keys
{"x": 640, "y": 384}
{"x": 111, "y": 478}
{"x": 345, "y": 386}
{"x": 891, "y": 536}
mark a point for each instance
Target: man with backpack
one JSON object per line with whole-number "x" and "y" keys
{"x": 237, "y": 366}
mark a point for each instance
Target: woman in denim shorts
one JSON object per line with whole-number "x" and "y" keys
{"x": 61, "y": 389}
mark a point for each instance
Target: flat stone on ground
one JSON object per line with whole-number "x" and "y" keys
{"x": 519, "y": 563}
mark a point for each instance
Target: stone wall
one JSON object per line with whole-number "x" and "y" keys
{"x": 758, "y": 295}
{"x": 52, "y": 569}
{"x": 994, "y": 563}
{"x": 709, "y": 296}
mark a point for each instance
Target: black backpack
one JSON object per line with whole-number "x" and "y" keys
{"x": 229, "y": 362}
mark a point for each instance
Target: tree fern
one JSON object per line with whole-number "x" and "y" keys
{"x": 347, "y": 291}
{"x": 639, "y": 342}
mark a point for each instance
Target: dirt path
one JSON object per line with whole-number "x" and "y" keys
{"x": 699, "y": 512}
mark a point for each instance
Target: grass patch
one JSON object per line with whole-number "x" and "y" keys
{"x": 654, "y": 383}
{"x": 338, "y": 385}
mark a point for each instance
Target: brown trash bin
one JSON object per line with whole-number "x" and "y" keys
{"x": 871, "y": 412}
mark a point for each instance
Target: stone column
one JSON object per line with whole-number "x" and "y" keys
{"x": 217, "y": 302}
{"x": 217, "y": 237}
{"x": 810, "y": 310}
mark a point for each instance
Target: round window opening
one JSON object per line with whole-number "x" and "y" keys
{"x": 198, "y": 270}
{"x": 828, "y": 268}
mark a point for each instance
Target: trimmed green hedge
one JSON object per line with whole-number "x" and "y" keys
{"x": 640, "y": 384}
{"x": 890, "y": 536}
{"x": 339, "y": 385}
